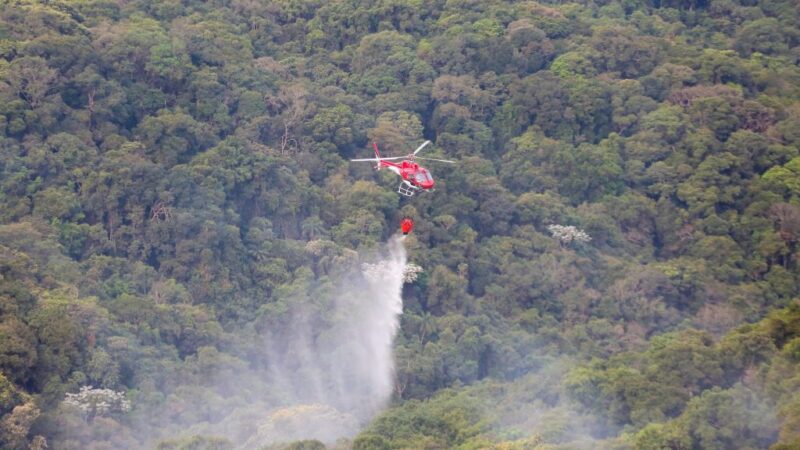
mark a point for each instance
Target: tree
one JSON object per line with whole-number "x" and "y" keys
{"x": 93, "y": 402}
{"x": 567, "y": 234}
{"x": 169, "y": 63}
{"x": 334, "y": 124}
{"x": 215, "y": 43}
{"x": 761, "y": 35}
{"x": 630, "y": 56}
{"x": 10, "y": 396}
{"x": 29, "y": 78}
{"x": 630, "y": 105}
{"x": 784, "y": 178}
{"x": 196, "y": 443}
{"x": 668, "y": 122}
{"x": 543, "y": 100}
{"x": 714, "y": 184}
{"x": 740, "y": 417}
{"x": 722, "y": 66}
{"x": 293, "y": 106}
{"x": 126, "y": 47}
{"x": 173, "y": 136}
{"x": 715, "y": 113}
{"x": 531, "y": 49}
{"x": 397, "y": 133}
{"x": 18, "y": 355}
{"x": 446, "y": 293}
{"x": 464, "y": 91}
{"x": 15, "y": 426}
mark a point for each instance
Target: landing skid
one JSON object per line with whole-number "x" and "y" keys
{"x": 407, "y": 189}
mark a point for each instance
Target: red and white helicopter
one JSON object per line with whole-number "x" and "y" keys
{"x": 415, "y": 177}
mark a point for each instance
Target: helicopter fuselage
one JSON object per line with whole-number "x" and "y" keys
{"x": 412, "y": 173}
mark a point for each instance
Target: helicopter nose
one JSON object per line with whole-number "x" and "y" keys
{"x": 427, "y": 185}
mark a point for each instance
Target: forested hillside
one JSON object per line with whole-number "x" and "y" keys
{"x": 174, "y": 182}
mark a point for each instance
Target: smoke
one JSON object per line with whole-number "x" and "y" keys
{"x": 324, "y": 364}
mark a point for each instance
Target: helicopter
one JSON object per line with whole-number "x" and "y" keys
{"x": 415, "y": 178}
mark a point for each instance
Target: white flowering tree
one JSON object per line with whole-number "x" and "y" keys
{"x": 382, "y": 270}
{"x": 567, "y": 234}
{"x": 98, "y": 402}
{"x": 411, "y": 272}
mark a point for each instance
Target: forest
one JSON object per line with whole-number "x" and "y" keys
{"x": 175, "y": 185}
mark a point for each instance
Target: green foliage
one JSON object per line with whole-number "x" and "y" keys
{"x": 743, "y": 421}
{"x": 306, "y": 445}
{"x": 197, "y": 443}
{"x": 449, "y": 421}
{"x": 174, "y": 182}
{"x": 785, "y": 178}
{"x": 689, "y": 360}
{"x": 9, "y": 396}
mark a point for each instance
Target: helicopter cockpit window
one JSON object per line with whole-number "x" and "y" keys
{"x": 423, "y": 176}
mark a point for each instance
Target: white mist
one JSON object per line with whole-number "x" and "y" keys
{"x": 324, "y": 366}
{"x": 334, "y": 365}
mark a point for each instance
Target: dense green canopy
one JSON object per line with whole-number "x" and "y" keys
{"x": 164, "y": 166}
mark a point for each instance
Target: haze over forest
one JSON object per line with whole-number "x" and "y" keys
{"x": 188, "y": 260}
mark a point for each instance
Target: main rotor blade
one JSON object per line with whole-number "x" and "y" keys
{"x": 421, "y": 147}
{"x": 378, "y": 159}
{"x": 434, "y": 159}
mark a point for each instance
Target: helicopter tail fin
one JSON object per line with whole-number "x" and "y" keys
{"x": 377, "y": 152}
{"x": 377, "y": 155}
